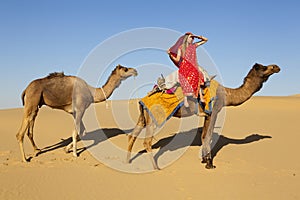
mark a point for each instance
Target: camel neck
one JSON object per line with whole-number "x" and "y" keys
{"x": 239, "y": 95}
{"x": 102, "y": 94}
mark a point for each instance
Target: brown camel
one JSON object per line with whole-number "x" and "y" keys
{"x": 68, "y": 93}
{"x": 225, "y": 97}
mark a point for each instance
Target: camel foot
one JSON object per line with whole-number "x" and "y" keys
{"x": 128, "y": 161}
{"x": 155, "y": 166}
{"x": 26, "y": 160}
{"x": 75, "y": 155}
{"x": 204, "y": 160}
{"x": 209, "y": 164}
{"x": 67, "y": 150}
{"x": 36, "y": 152}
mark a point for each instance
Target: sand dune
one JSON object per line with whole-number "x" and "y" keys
{"x": 256, "y": 155}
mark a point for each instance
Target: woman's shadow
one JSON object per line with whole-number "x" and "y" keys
{"x": 193, "y": 138}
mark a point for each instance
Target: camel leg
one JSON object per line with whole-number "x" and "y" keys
{"x": 70, "y": 146}
{"x": 209, "y": 125}
{"x": 27, "y": 127}
{"x": 148, "y": 139}
{"x": 74, "y": 142}
{"x": 78, "y": 130}
{"x": 82, "y": 129}
{"x": 30, "y": 134}
{"x": 31, "y": 101}
{"x": 203, "y": 136}
{"x": 148, "y": 144}
{"x": 206, "y": 142}
{"x": 131, "y": 140}
{"x": 20, "y": 137}
{"x": 136, "y": 131}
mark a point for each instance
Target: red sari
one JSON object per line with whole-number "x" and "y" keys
{"x": 190, "y": 78}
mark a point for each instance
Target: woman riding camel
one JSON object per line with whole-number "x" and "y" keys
{"x": 183, "y": 54}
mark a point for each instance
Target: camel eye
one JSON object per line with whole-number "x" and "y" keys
{"x": 125, "y": 69}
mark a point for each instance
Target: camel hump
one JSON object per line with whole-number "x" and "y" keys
{"x": 56, "y": 74}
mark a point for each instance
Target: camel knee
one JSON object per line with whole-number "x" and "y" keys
{"x": 19, "y": 137}
{"x": 147, "y": 144}
{"x": 136, "y": 131}
{"x": 131, "y": 141}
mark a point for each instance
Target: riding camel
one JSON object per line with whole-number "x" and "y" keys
{"x": 253, "y": 82}
{"x": 68, "y": 93}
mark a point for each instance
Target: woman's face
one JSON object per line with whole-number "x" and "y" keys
{"x": 190, "y": 39}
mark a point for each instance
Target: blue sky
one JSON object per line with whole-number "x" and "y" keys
{"x": 39, "y": 37}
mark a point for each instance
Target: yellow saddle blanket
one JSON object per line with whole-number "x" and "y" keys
{"x": 162, "y": 106}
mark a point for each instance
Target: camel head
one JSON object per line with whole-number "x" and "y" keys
{"x": 265, "y": 71}
{"x": 125, "y": 72}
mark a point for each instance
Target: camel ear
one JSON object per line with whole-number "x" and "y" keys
{"x": 257, "y": 66}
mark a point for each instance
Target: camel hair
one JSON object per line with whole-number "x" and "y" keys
{"x": 68, "y": 93}
{"x": 253, "y": 82}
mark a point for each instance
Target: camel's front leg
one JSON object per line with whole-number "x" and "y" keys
{"x": 79, "y": 128}
{"x": 208, "y": 128}
{"x": 205, "y": 149}
{"x": 70, "y": 146}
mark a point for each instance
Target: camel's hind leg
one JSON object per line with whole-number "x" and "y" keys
{"x": 30, "y": 135}
{"x": 148, "y": 143}
{"x": 20, "y": 137}
{"x": 134, "y": 134}
{"x": 26, "y": 127}
{"x": 131, "y": 140}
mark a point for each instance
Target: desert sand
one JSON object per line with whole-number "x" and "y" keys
{"x": 256, "y": 156}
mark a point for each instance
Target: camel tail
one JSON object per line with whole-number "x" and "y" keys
{"x": 23, "y": 97}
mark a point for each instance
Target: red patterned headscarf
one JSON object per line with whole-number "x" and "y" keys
{"x": 175, "y": 47}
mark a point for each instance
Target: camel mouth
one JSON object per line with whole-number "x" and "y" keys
{"x": 130, "y": 72}
{"x": 134, "y": 72}
{"x": 272, "y": 69}
{"x": 276, "y": 69}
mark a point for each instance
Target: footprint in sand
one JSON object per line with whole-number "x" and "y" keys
{"x": 5, "y": 157}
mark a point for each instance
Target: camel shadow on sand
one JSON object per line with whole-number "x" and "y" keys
{"x": 97, "y": 136}
{"x": 171, "y": 143}
{"x": 193, "y": 138}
